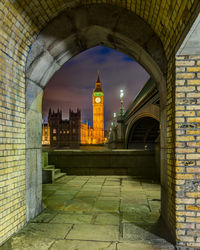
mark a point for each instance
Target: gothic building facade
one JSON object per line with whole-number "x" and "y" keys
{"x": 64, "y": 133}
{"x": 71, "y": 133}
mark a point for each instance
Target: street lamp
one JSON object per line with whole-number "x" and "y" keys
{"x": 121, "y": 101}
{"x": 114, "y": 118}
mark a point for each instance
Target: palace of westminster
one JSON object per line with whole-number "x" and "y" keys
{"x": 72, "y": 132}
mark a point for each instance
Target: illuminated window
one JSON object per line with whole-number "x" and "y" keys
{"x": 54, "y": 138}
{"x": 67, "y": 131}
{"x": 54, "y": 131}
{"x": 74, "y": 131}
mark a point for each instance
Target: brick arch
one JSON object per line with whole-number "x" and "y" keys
{"x": 167, "y": 19}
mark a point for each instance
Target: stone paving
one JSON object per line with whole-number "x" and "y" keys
{"x": 95, "y": 212}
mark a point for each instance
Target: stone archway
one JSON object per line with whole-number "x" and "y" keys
{"x": 55, "y": 45}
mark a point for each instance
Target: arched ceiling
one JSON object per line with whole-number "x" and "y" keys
{"x": 82, "y": 28}
{"x": 168, "y": 19}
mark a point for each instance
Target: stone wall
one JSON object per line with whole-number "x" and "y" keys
{"x": 136, "y": 163}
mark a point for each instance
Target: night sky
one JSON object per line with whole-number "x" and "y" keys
{"x": 73, "y": 84}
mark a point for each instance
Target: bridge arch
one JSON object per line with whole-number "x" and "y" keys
{"x": 143, "y": 133}
{"x": 151, "y": 110}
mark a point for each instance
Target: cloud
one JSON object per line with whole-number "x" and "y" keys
{"x": 73, "y": 84}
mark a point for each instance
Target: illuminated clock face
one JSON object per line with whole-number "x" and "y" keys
{"x": 97, "y": 99}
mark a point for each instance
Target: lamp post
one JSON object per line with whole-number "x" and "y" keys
{"x": 114, "y": 118}
{"x": 121, "y": 101}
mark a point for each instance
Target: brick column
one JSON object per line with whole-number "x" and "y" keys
{"x": 187, "y": 151}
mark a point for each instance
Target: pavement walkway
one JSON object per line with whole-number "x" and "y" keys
{"x": 95, "y": 212}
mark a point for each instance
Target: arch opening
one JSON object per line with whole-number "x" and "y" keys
{"x": 143, "y": 134}
{"x": 51, "y": 50}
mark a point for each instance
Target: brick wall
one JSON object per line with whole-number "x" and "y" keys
{"x": 187, "y": 170}
{"x": 21, "y": 21}
{"x": 14, "y": 47}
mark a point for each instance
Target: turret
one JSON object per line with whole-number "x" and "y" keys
{"x": 98, "y": 87}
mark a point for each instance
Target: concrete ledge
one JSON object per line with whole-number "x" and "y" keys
{"x": 112, "y": 162}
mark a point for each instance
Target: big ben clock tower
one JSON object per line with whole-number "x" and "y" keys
{"x": 98, "y": 113}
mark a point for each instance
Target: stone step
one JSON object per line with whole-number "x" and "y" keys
{"x": 50, "y": 174}
{"x": 49, "y": 167}
{"x": 56, "y": 171}
{"x": 58, "y": 176}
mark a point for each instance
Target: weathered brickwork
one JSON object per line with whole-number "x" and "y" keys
{"x": 20, "y": 23}
{"x": 187, "y": 170}
{"x": 12, "y": 122}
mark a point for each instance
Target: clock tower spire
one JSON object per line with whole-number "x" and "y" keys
{"x": 98, "y": 112}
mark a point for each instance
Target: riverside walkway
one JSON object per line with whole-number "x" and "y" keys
{"x": 95, "y": 212}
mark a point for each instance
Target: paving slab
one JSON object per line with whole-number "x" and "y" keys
{"x": 89, "y": 187}
{"x": 54, "y": 204}
{"x": 95, "y": 212}
{"x": 112, "y": 183}
{"x": 107, "y": 219}
{"x": 27, "y": 242}
{"x": 70, "y": 189}
{"x": 134, "y": 208}
{"x": 46, "y": 193}
{"x": 82, "y": 245}
{"x": 72, "y": 218}
{"x": 63, "y": 192}
{"x": 44, "y": 217}
{"x": 107, "y": 206}
{"x": 138, "y": 201}
{"x": 94, "y": 232}
{"x": 88, "y": 194}
{"x": 46, "y": 230}
{"x": 78, "y": 207}
{"x": 142, "y": 246}
{"x": 109, "y": 198}
{"x": 89, "y": 200}
{"x": 60, "y": 197}
{"x": 95, "y": 181}
{"x": 110, "y": 193}
{"x": 141, "y": 232}
{"x": 134, "y": 217}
